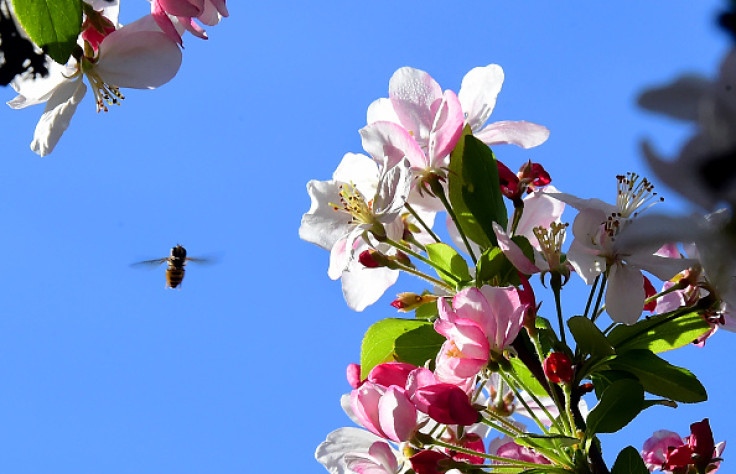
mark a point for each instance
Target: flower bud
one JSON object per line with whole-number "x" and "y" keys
{"x": 406, "y": 302}
{"x": 558, "y": 368}
{"x": 372, "y": 259}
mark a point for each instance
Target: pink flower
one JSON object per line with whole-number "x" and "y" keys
{"x": 443, "y": 402}
{"x": 428, "y": 462}
{"x": 511, "y": 450}
{"x": 175, "y": 16}
{"x": 665, "y": 450}
{"x": 391, "y": 373}
{"x": 387, "y": 412}
{"x": 465, "y": 352}
{"x": 498, "y": 312}
{"x": 655, "y": 448}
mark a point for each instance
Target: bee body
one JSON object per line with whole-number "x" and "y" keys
{"x": 174, "y": 265}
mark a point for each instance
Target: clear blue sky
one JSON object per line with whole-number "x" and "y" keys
{"x": 103, "y": 370}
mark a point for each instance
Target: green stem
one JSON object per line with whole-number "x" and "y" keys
{"x": 601, "y": 290}
{"x": 542, "y": 426}
{"x": 508, "y": 462}
{"x": 424, "y": 276}
{"x": 437, "y": 189}
{"x": 556, "y": 284}
{"x": 420, "y": 257}
{"x": 590, "y": 296}
{"x": 421, "y": 222}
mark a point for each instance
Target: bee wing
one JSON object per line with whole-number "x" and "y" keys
{"x": 200, "y": 260}
{"x": 150, "y": 263}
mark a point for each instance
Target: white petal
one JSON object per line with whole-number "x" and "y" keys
{"x": 540, "y": 210}
{"x": 381, "y": 110}
{"x": 138, "y": 58}
{"x": 340, "y": 442}
{"x": 322, "y": 225}
{"x": 57, "y": 115}
{"x": 363, "y": 286}
{"x": 359, "y": 170}
{"x": 625, "y": 294}
{"x": 478, "y": 93}
{"x": 393, "y": 190}
{"x": 37, "y": 90}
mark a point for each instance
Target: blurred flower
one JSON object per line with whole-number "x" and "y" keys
{"x": 704, "y": 170}
{"x": 506, "y": 447}
{"x": 137, "y": 56}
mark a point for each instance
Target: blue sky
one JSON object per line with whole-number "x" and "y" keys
{"x": 104, "y": 370}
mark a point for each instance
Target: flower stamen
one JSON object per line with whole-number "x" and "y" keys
{"x": 634, "y": 195}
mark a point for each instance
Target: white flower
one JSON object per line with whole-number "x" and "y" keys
{"x": 359, "y": 201}
{"x": 137, "y": 56}
{"x": 597, "y": 249}
{"x": 349, "y": 450}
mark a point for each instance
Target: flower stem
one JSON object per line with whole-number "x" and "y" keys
{"x": 421, "y": 222}
{"x": 590, "y": 296}
{"x": 556, "y": 284}
{"x": 437, "y": 189}
{"x": 414, "y": 254}
{"x": 595, "y": 313}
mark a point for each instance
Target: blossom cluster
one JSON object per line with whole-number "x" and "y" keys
{"x": 144, "y": 54}
{"x": 480, "y": 351}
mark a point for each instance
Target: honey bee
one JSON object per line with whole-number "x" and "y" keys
{"x": 175, "y": 265}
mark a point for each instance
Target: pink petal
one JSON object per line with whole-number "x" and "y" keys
{"x": 513, "y": 252}
{"x": 392, "y": 142}
{"x": 412, "y": 93}
{"x": 446, "y": 129}
{"x": 524, "y": 134}
{"x": 397, "y": 415}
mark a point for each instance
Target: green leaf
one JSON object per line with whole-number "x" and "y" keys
{"x": 659, "y": 377}
{"x": 629, "y": 461}
{"x": 448, "y": 261}
{"x": 381, "y": 339}
{"x": 475, "y": 189}
{"x": 54, "y": 25}
{"x": 619, "y": 404}
{"x": 531, "y": 382}
{"x": 419, "y": 345}
{"x": 660, "y": 333}
{"x": 589, "y": 339}
{"x": 603, "y": 378}
{"x": 548, "y": 442}
{"x": 495, "y": 269}
{"x": 426, "y": 311}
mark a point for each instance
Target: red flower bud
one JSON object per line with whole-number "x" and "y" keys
{"x": 558, "y": 368}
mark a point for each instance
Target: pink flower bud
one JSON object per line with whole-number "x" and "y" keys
{"x": 558, "y": 368}
{"x": 428, "y": 462}
{"x": 445, "y": 403}
{"x": 391, "y": 373}
{"x": 353, "y": 374}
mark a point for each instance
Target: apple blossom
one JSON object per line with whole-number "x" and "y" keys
{"x": 385, "y": 411}
{"x": 498, "y": 312}
{"x": 175, "y": 16}
{"x": 137, "y": 56}
{"x": 597, "y": 248}
{"x": 359, "y": 200}
{"x": 347, "y": 444}
{"x": 380, "y": 459}
{"x": 666, "y": 451}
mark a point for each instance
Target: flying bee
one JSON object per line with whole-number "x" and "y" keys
{"x": 175, "y": 265}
